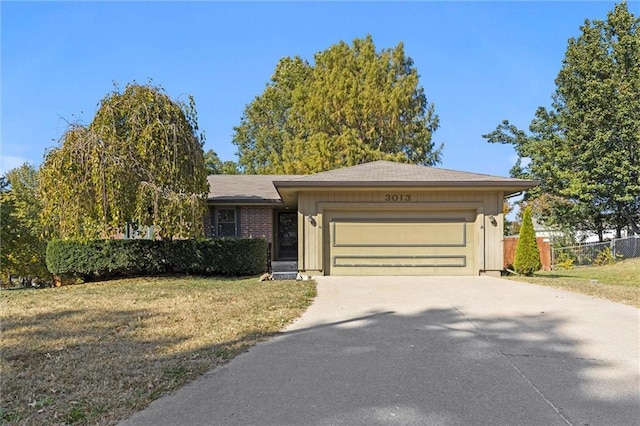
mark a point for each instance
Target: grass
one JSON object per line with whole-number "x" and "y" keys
{"x": 96, "y": 353}
{"x": 618, "y": 282}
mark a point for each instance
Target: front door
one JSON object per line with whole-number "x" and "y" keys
{"x": 287, "y": 235}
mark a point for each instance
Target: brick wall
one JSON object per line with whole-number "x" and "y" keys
{"x": 256, "y": 222}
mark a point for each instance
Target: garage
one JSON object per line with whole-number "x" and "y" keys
{"x": 386, "y": 218}
{"x": 370, "y": 242}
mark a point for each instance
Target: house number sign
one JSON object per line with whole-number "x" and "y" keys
{"x": 396, "y": 198}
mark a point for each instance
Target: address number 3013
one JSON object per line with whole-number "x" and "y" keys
{"x": 397, "y": 197}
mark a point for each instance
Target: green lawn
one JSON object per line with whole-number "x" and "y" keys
{"x": 619, "y": 282}
{"x": 96, "y": 353}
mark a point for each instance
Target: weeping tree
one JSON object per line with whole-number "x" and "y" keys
{"x": 354, "y": 104}
{"x": 138, "y": 163}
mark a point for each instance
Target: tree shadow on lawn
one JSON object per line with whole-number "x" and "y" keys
{"x": 94, "y": 365}
{"x": 440, "y": 366}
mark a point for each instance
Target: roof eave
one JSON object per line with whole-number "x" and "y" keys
{"x": 288, "y": 190}
{"x": 519, "y": 185}
{"x": 243, "y": 201}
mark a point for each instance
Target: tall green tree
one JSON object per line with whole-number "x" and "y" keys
{"x": 267, "y": 123}
{"x": 22, "y": 248}
{"x": 140, "y": 161}
{"x": 215, "y": 166}
{"x": 586, "y": 148}
{"x": 354, "y": 104}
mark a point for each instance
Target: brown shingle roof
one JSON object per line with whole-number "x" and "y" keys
{"x": 388, "y": 173}
{"x": 262, "y": 188}
{"x": 247, "y": 188}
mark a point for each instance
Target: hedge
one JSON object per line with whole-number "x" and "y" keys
{"x": 101, "y": 259}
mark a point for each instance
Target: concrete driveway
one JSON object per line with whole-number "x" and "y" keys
{"x": 428, "y": 351}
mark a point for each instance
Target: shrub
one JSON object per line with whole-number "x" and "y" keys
{"x": 233, "y": 256}
{"x": 565, "y": 260}
{"x": 105, "y": 258}
{"x": 606, "y": 257}
{"x": 244, "y": 257}
{"x": 565, "y": 264}
{"x": 102, "y": 259}
{"x": 527, "y": 259}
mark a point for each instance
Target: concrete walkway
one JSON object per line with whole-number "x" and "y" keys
{"x": 428, "y": 351}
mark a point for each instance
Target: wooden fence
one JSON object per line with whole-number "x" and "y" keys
{"x": 544, "y": 246}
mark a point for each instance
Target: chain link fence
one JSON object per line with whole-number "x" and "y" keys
{"x": 596, "y": 253}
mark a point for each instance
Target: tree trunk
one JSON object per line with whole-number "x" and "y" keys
{"x": 634, "y": 226}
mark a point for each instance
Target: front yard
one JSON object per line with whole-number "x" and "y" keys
{"x": 619, "y": 282}
{"x": 96, "y": 353}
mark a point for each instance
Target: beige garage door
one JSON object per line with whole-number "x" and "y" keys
{"x": 399, "y": 243}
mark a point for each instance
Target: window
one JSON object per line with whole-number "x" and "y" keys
{"x": 226, "y": 223}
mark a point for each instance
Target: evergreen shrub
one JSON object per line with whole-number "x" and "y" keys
{"x": 527, "y": 259}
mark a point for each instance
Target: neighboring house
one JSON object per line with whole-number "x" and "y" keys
{"x": 546, "y": 231}
{"x": 379, "y": 218}
{"x": 582, "y": 237}
{"x": 608, "y": 234}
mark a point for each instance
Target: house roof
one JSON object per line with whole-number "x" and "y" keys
{"x": 389, "y": 173}
{"x": 271, "y": 188}
{"x": 257, "y": 189}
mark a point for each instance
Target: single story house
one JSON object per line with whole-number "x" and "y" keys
{"x": 378, "y": 218}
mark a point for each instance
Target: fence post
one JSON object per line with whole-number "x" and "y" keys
{"x": 613, "y": 248}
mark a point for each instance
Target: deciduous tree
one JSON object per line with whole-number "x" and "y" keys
{"x": 215, "y": 166}
{"x": 352, "y": 105}
{"x": 22, "y": 248}
{"x": 586, "y": 148}
{"x": 140, "y": 161}
{"x": 267, "y": 123}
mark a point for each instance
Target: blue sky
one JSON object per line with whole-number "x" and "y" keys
{"x": 480, "y": 62}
